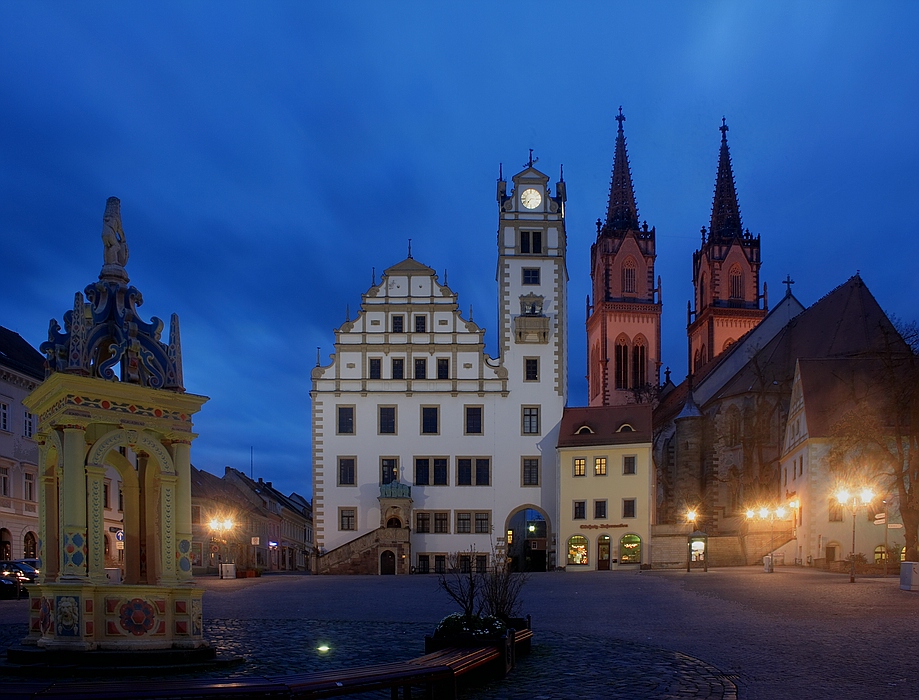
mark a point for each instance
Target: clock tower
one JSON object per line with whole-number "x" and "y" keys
{"x": 532, "y": 288}
{"x": 624, "y": 321}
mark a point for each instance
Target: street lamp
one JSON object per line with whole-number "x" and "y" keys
{"x": 770, "y": 514}
{"x": 697, "y": 542}
{"x": 854, "y": 500}
{"x": 220, "y": 528}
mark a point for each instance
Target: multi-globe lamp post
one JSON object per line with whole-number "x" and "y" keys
{"x": 220, "y": 529}
{"x": 770, "y": 514}
{"x": 697, "y": 544}
{"x": 854, "y": 499}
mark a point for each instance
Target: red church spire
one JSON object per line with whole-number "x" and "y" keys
{"x": 725, "y": 210}
{"x": 621, "y": 212}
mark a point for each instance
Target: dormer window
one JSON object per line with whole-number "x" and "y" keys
{"x": 625, "y": 428}
{"x": 584, "y": 430}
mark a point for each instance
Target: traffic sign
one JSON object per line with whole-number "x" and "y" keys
{"x": 119, "y": 535}
{"x": 894, "y": 526}
{"x": 880, "y": 518}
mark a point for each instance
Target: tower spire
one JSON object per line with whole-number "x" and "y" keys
{"x": 725, "y": 210}
{"x": 621, "y": 212}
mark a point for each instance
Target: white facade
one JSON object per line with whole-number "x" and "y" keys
{"x": 411, "y": 396}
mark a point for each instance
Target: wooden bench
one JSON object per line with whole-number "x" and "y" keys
{"x": 437, "y": 678}
{"x": 187, "y": 689}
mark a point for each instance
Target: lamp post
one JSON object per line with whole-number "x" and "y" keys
{"x": 220, "y": 528}
{"x": 697, "y": 540}
{"x": 854, "y": 500}
{"x": 769, "y": 514}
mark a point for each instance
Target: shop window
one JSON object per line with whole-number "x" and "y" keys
{"x": 630, "y": 549}
{"x": 577, "y": 551}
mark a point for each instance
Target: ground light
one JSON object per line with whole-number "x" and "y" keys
{"x": 323, "y": 648}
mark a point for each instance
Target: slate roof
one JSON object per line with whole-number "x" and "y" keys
{"x": 17, "y": 355}
{"x": 604, "y": 423}
{"x": 832, "y": 387}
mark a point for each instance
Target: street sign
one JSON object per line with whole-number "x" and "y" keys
{"x": 119, "y": 544}
{"x": 120, "y": 537}
{"x": 894, "y": 526}
{"x": 880, "y": 518}
{"x": 255, "y": 541}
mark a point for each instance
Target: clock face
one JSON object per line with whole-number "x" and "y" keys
{"x": 530, "y": 198}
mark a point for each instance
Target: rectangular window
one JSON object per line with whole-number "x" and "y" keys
{"x": 347, "y": 518}
{"x": 422, "y": 522}
{"x": 463, "y": 523}
{"x": 482, "y": 472}
{"x": 600, "y": 466}
{"x": 464, "y": 472}
{"x": 4, "y": 481}
{"x": 628, "y": 507}
{"x": 29, "y": 486}
{"x": 580, "y": 510}
{"x": 389, "y": 470}
{"x": 106, "y": 495}
{"x": 424, "y": 564}
{"x": 421, "y": 368}
{"x": 531, "y": 275}
{"x": 531, "y": 242}
{"x": 440, "y": 563}
{"x": 531, "y": 471}
{"x": 376, "y": 368}
{"x": 422, "y": 471}
{"x": 835, "y": 511}
{"x": 465, "y": 563}
{"x": 28, "y": 427}
{"x": 398, "y": 368}
{"x": 346, "y": 471}
{"x": 398, "y": 324}
{"x": 440, "y": 472}
{"x": 443, "y": 368}
{"x": 473, "y": 420}
{"x": 482, "y": 523}
{"x": 4, "y": 416}
{"x": 600, "y": 510}
{"x": 531, "y": 369}
{"x": 441, "y": 523}
{"x": 196, "y": 515}
{"x": 346, "y": 420}
{"x": 430, "y": 423}
{"x": 120, "y": 500}
{"x": 387, "y": 420}
{"x": 531, "y": 420}
{"x": 629, "y": 464}
{"x": 580, "y": 466}
{"x": 421, "y": 324}
{"x": 481, "y": 563}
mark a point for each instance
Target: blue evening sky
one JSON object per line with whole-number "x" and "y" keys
{"x": 269, "y": 155}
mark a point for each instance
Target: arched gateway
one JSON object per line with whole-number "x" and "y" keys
{"x": 113, "y": 399}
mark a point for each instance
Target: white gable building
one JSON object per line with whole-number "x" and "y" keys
{"x": 425, "y": 446}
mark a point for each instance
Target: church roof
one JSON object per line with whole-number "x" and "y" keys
{"x": 17, "y": 355}
{"x": 847, "y": 322}
{"x": 409, "y": 266}
{"x": 725, "y": 209}
{"x": 621, "y": 211}
{"x": 605, "y": 425}
{"x": 833, "y": 387}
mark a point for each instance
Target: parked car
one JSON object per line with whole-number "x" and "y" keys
{"x": 25, "y": 572}
{"x": 34, "y": 563}
{"x": 11, "y": 588}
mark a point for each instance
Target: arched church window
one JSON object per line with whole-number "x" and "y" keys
{"x": 703, "y": 300}
{"x": 628, "y": 276}
{"x": 736, "y": 282}
{"x": 696, "y": 360}
{"x": 622, "y": 364}
{"x": 639, "y": 363}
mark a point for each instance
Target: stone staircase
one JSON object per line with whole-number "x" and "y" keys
{"x": 362, "y": 554}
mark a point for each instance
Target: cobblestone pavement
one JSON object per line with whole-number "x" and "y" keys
{"x": 727, "y": 633}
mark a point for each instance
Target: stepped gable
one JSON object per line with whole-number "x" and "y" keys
{"x": 847, "y": 322}
{"x": 20, "y": 356}
{"x": 604, "y": 425}
{"x": 830, "y": 385}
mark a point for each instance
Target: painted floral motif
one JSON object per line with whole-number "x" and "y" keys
{"x": 137, "y": 616}
{"x": 45, "y": 616}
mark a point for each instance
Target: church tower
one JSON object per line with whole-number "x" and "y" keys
{"x": 532, "y": 286}
{"x": 725, "y": 274}
{"x": 624, "y": 321}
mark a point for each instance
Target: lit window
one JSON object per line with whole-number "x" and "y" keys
{"x": 600, "y": 466}
{"x": 630, "y": 549}
{"x": 580, "y": 466}
{"x": 577, "y": 550}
